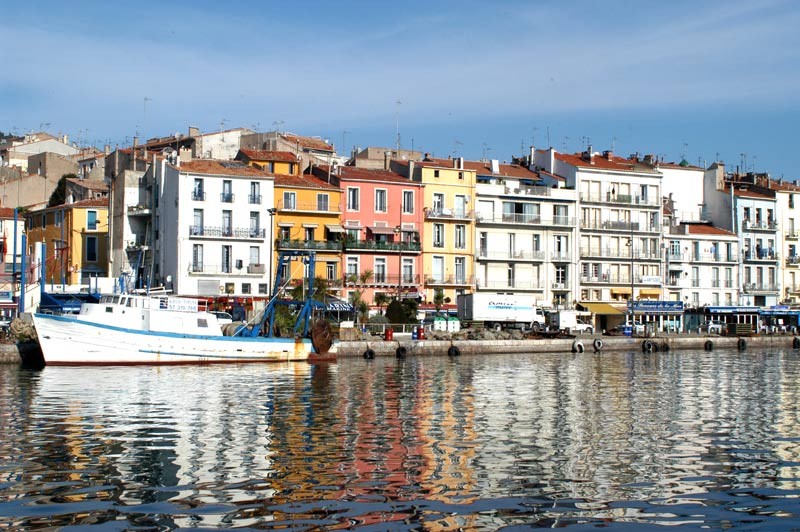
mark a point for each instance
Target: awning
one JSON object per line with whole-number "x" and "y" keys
{"x": 335, "y": 228}
{"x": 601, "y": 308}
{"x": 310, "y": 226}
{"x": 382, "y": 230}
{"x": 650, "y": 292}
{"x": 285, "y": 224}
{"x": 620, "y": 290}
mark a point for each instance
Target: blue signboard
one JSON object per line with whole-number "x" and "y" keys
{"x": 658, "y": 307}
{"x": 733, "y": 310}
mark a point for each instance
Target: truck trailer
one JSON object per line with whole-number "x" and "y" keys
{"x": 501, "y": 311}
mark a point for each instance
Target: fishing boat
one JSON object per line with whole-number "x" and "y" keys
{"x": 147, "y": 328}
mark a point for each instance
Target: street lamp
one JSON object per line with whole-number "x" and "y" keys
{"x": 398, "y": 231}
{"x": 271, "y": 212}
{"x": 630, "y": 299}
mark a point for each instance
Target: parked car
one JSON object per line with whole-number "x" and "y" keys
{"x": 223, "y": 317}
{"x": 711, "y": 327}
{"x": 583, "y": 327}
{"x": 638, "y": 328}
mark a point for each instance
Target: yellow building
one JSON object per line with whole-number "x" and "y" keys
{"x": 76, "y": 240}
{"x": 448, "y": 247}
{"x": 308, "y": 216}
{"x": 275, "y": 162}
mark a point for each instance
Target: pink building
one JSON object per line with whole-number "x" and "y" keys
{"x": 382, "y": 215}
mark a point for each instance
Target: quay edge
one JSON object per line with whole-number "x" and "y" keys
{"x": 563, "y": 345}
{"x": 27, "y": 353}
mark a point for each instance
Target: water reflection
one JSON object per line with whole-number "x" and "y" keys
{"x": 706, "y": 439}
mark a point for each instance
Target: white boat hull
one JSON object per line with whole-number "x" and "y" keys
{"x": 68, "y": 340}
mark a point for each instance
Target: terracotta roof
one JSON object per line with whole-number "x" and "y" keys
{"x": 302, "y": 181}
{"x": 705, "y": 229}
{"x": 506, "y": 170}
{"x": 550, "y": 174}
{"x": 94, "y": 202}
{"x": 432, "y": 162}
{"x": 307, "y": 142}
{"x": 789, "y": 187}
{"x": 214, "y": 167}
{"x": 366, "y": 174}
{"x": 267, "y": 155}
{"x": 88, "y": 183}
{"x": 8, "y": 213}
{"x": 747, "y": 193}
{"x": 600, "y": 162}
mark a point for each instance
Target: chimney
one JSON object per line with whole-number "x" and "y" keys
{"x": 588, "y": 155}
{"x": 608, "y": 154}
{"x": 65, "y": 139}
{"x": 106, "y": 149}
{"x": 387, "y": 157}
{"x": 411, "y": 170}
{"x": 194, "y": 131}
{"x": 648, "y": 159}
{"x": 427, "y": 155}
{"x": 135, "y": 142}
{"x": 460, "y": 163}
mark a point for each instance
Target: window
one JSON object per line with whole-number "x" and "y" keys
{"x": 560, "y": 215}
{"x": 197, "y": 258}
{"x": 226, "y": 259}
{"x": 330, "y": 271}
{"x": 44, "y": 221}
{"x": 289, "y": 201}
{"x": 510, "y": 275}
{"x": 255, "y": 224}
{"x": 197, "y": 192}
{"x": 437, "y": 269}
{"x": 227, "y": 223}
{"x": 438, "y": 203}
{"x": 379, "y": 273}
{"x": 380, "y": 200}
{"x": 408, "y": 271}
{"x": 461, "y": 206}
{"x": 255, "y": 255}
{"x": 91, "y": 220}
{"x": 58, "y": 215}
{"x": 284, "y": 233}
{"x": 537, "y": 242}
{"x": 227, "y": 191}
{"x": 438, "y": 235}
{"x": 352, "y": 199}
{"x": 482, "y": 243}
{"x": 352, "y": 267}
{"x": 791, "y": 201}
{"x": 308, "y": 234}
{"x": 461, "y": 175}
{"x": 255, "y": 193}
{"x": 245, "y": 288}
{"x": 461, "y": 270}
{"x": 91, "y": 249}
{"x": 461, "y": 236}
{"x": 354, "y": 234}
{"x": 561, "y": 275}
{"x": 408, "y": 202}
{"x": 322, "y": 202}
{"x": 197, "y": 228}
{"x": 436, "y": 173}
{"x": 262, "y": 288}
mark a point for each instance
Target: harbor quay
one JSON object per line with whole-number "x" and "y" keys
{"x": 10, "y": 353}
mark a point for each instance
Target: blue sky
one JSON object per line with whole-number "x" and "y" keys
{"x": 701, "y": 79}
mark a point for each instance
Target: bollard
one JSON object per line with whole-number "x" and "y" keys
{"x": 420, "y": 333}
{"x": 388, "y": 334}
{"x": 413, "y": 333}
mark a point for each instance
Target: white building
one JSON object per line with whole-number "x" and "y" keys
{"x": 16, "y": 151}
{"x": 213, "y": 228}
{"x": 619, "y": 215}
{"x": 702, "y": 265}
{"x": 744, "y": 204}
{"x": 526, "y": 235}
{"x": 787, "y": 196}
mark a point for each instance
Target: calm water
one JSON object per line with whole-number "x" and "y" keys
{"x": 689, "y": 439}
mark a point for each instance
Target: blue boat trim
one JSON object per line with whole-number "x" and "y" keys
{"x": 243, "y": 339}
{"x": 221, "y": 357}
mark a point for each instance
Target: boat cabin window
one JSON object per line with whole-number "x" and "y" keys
{"x": 202, "y": 322}
{"x": 130, "y": 302}
{"x": 115, "y": 299}
{"x": 122, "y": 301}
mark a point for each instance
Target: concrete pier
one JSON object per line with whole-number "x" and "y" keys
{"x": 13, "y": 354}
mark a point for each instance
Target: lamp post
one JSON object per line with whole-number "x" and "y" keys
{"x": 630, "y": 300}
{"x": 399, "y": 232}
{"x": 271, "y": 212}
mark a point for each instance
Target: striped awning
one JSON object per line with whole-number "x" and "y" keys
{"x": 601, "y": 308}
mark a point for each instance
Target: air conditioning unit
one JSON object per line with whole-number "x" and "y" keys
{"x": 558, "y": 286}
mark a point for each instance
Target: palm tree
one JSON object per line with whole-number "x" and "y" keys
{"x": 357, "y": 296}
{"x": 381, "y": 299}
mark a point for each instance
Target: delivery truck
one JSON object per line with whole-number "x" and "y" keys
{"x": 500, "y": 311}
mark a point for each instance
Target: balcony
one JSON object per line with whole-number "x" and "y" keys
{"x": 292, "y": 206}
{"x": 759, "y": 225}
{"x": 254, "y": 199}
{"x": 527, "y": 191}
{"x": 226, "y": 197}
{"x": 761, "y": 255}
{"x": 378, "y": 245}
{"x": 527, "y": 219}
{"x": 507, "y": 256}
{"x": 447, "y": 214}
{"x": 505, "y": 285}
{"x": 621, "y": 253}
{"x": 751, "y": 288}
{"x": 214, "y": 269}
{"x": 450, "y": 280}
{"x": 607, "y": 279}
{"x": 325, "y": 245}
{"x": 198, "y": 195}
{"x": 385, "y": 279}
{"x": 240, "y": 233}
{"x": 793, "y": 260}
{"x": 139, "y": 210}
{"x": 560, "y": 286}
{"x": 256, "y": 268}
{"x": 560, "y": 256}
{"x": 137, "y": 244}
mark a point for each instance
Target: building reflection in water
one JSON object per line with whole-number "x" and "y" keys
{"x": 428, "y": 440}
